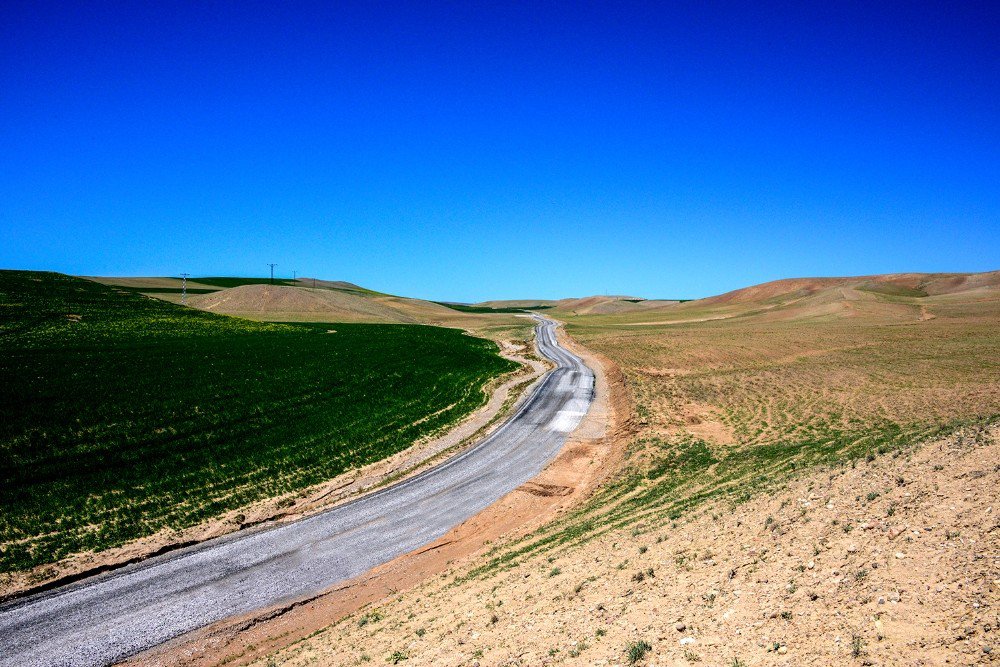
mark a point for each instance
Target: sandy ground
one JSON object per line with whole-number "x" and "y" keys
{"x": 589, "y": 455}
{"x": 892, "y": 561}
{"x": 503, "y": 397}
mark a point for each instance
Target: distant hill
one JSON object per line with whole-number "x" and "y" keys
{"x": 589, "y": 305}
{"x": 608, "y": 305}
{"x": 284, "y": 302}
{"x": 333, "y": 301}
{"x": 891, "y": 297}
{"x": 894, "y": 284}
{"x": 902, "y": 297}
{"x": 308, "y": 299}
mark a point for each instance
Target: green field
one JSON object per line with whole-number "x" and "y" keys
{"x": 122, "y": 414}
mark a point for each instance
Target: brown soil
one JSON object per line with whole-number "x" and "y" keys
{"x": 888, "y": 562}
{"x": 590, "y": 455}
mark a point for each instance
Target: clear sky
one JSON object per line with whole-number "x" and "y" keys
{"x": 473, "y": 150}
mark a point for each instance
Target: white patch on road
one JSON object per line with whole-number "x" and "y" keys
{"x": 566, "y": 420}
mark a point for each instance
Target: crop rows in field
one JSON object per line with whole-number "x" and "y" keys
{"x": 123, "y": 415}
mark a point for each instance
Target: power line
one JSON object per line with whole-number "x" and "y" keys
{"x": 272, "y": 272}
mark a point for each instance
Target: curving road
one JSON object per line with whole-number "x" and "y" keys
{"x": 107, "y": 618}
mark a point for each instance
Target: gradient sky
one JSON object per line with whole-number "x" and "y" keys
{"x": 473, "y": 150}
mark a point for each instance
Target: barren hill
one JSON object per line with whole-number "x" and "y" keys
{"x": 351, "y": 304}
{"x": 894, "y": 284}
{"x": 281, "y": 302}
{"x": 903, "y": 297}
{"x": 335, "y": 301}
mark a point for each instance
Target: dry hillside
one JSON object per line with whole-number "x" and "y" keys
{"x": 794, "y": 490}
{"x": 885, "y": 562}
{"x": 897, "y": 298}
{"x": 324, "y": 304}
{"x": 277, "y": 302}
{"x": 896, "y": 284}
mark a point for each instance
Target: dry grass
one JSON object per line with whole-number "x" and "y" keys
{"x": 775, "y": 382}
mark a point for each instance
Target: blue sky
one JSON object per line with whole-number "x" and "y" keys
{"x": 470, "y": 150}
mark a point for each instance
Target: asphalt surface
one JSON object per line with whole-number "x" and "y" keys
{"x": 107, "y": 618}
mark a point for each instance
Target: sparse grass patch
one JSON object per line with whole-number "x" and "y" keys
{"x": 857, "y": 646}
{"x": 636, "y": 651}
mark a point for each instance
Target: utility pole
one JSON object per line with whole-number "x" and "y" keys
{"x": 272, "y": 272}
{"x": 294, "y": 273}
{"x": 314, "y": 283}
{"x": 184, "y": 288}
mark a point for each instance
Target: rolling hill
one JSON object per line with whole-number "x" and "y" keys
{"x": 915, "y": 285}
{"x": 897, "y": 297}
{"x": 315, "y": 300}
{"x": 901, "y": 298}
{"x": 588, "y": 305}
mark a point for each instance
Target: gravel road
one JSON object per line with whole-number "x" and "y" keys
{"x": 102, "y": 620}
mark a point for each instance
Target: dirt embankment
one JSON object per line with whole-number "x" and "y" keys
{"x": 892, "y": 561}
{"x": 591, "y": 453}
